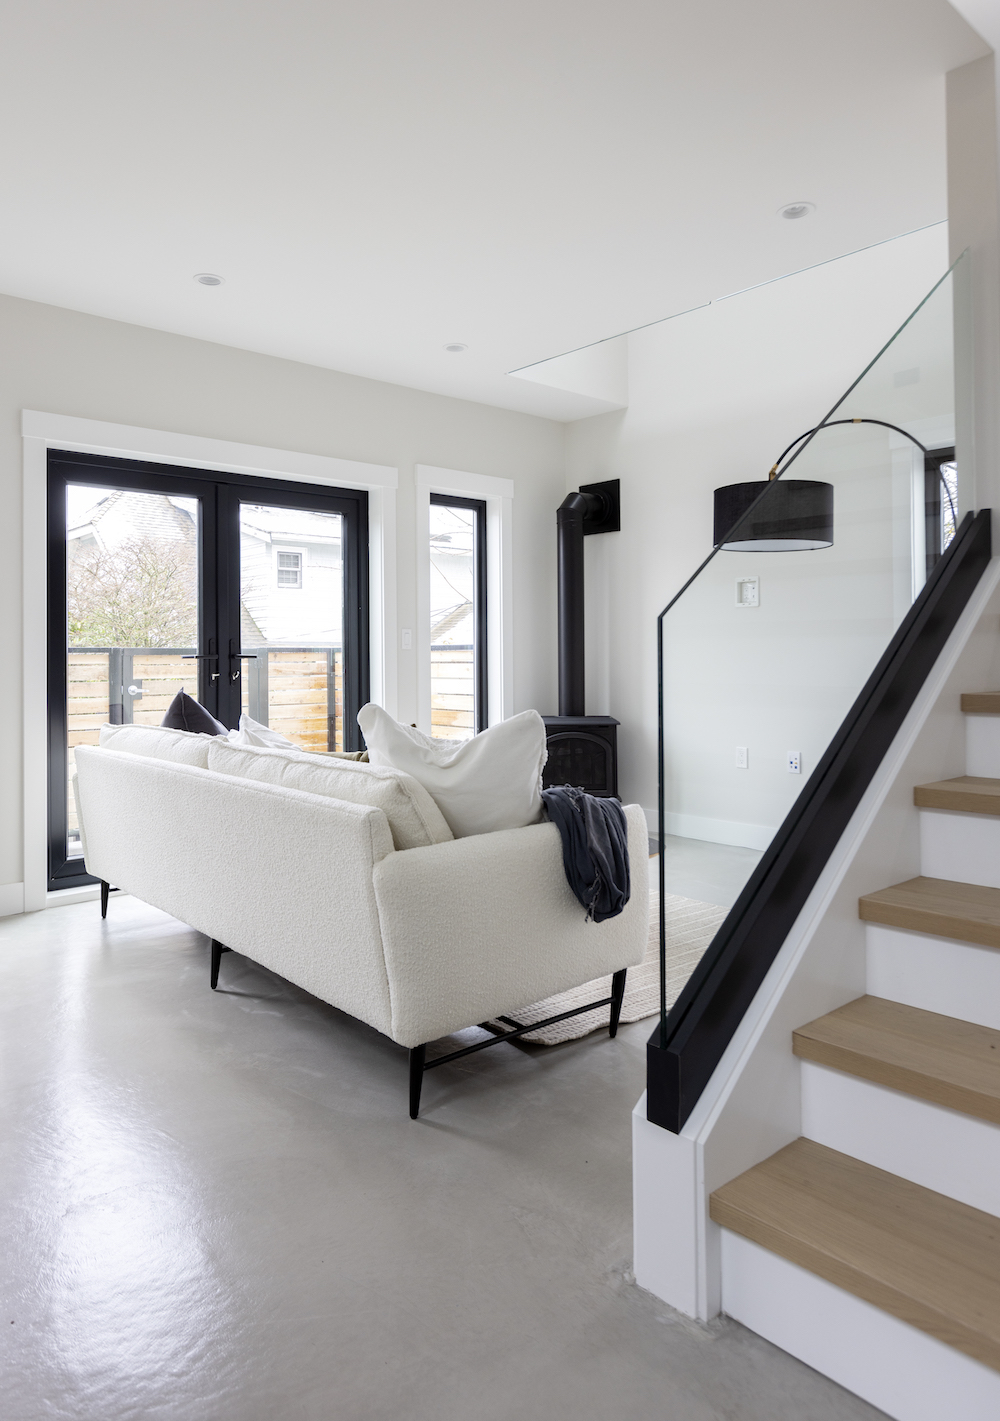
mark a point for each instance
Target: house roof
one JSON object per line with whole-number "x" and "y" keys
{"x": 127, "y": 513}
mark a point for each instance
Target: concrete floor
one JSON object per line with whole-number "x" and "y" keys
{"x": 710, "y": 873}
{"x": 217, "y": 1209}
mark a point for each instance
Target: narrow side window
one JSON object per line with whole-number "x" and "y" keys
{"x": 457, "y": 616}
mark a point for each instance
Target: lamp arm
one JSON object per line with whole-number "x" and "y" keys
{"x": 827, "y": 424}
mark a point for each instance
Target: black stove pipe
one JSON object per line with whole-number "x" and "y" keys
{"x": 569, "y": 523}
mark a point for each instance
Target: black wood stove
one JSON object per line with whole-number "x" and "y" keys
{"x": 583, "y": 749}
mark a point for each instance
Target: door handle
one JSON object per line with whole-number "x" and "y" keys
{"x": 235, "y": 657}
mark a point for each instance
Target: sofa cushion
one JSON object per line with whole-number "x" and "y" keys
{"x": 491, "y": 782}
{"x": 184, "y": 713}
{"x": 414, "y": 819}
{"x": 183, "y": 746}
{"x": 252, "y": 733}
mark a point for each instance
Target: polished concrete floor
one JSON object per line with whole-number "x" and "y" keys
{"x": 710, "y": 873}
{"x": 216, "y": 1208}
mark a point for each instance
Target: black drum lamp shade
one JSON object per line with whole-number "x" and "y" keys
{"x": 795, "y": 516}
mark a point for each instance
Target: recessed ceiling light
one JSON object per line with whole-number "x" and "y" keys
{"x": 455, "y": 349}
{"x": 794, "y": 210}
{"x": 206, "y": 278}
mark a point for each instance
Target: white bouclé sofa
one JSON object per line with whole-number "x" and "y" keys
{"x": 346, "y": 880}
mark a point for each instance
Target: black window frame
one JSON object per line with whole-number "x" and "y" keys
{"x": 221, "y": 494}
{"x": 933, "y": 459}
{"x": 479, "y": 608}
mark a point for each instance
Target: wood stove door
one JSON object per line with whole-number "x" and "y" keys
{"x": 580, "y": 759}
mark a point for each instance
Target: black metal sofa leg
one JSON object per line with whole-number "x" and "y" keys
{"x": 217, "y": 951}
{"x": 617, "y": 997}
{"x": 417, "y": 1054}
{"x": 105, "y": 890}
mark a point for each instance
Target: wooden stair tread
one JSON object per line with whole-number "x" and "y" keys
{"x": 925, "y": 1258}
{"x": 971, "y": 794}
{"x": 967, "y": 912}
{"x": 937, "y": 1058}
{"x": 981, "y": 702}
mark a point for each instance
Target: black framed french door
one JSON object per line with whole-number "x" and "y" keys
{"x": 251, "y": 593}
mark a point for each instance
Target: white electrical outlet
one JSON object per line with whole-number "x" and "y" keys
{"x": 794, "y": 762}
{"x": 748, "y": 592}
{"x": 406, "y": 639}
{"x": 741, "y": 757}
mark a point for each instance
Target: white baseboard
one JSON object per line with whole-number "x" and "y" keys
{"x": 711, "y": 831}
{"x": 908, "y": 1374}
{"x": 11, "y": 899}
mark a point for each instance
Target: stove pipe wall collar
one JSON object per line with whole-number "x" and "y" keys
{"x": 595, "y": 509}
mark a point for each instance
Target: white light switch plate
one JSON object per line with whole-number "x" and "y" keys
{"x": 406, "y": 636}
{"x": 748, "y": 592}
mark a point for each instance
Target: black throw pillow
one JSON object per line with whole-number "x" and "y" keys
{"x": 184, "y": 713}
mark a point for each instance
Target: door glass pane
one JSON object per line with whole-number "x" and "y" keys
{"x": 453, "y": 622}
{"x": 132, "y": 612}
{"x": 291, "y": 622}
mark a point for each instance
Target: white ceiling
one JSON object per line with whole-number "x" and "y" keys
{"x": 378, "y": 178}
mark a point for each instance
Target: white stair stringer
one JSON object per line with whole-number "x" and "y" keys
{"x": 958, "y": 979}
{"x": 938, "y": 1148}
{"x": 907, "y": 1373}
{"x": 962, "y": 847}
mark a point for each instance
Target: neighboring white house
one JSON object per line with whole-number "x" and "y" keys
{"x": 291, "y": 577}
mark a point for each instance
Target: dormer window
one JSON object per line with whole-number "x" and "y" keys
{"x": 289, "y": 569}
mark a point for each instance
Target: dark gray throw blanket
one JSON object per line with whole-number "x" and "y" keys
{"x": 595, "y": 848}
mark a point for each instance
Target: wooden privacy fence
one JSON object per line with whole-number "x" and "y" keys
{"x": 453, "y": 692}
{"x": 299, "y": 692}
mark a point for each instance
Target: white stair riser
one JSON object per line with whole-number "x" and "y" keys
{"x": 963, "y": 847}
{"x": 943, "y": 1150}
{"x": 905, "y": 1372}
{"x": 982, "y": 746}
{"x": 935, "y": 974}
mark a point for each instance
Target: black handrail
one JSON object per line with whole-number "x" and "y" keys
{"x": 682, "y": 1055}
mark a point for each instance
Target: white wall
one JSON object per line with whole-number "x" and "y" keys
{"x": 715, "y": 395}
{"x": 73, "y": 364}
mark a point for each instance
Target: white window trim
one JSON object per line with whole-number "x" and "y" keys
{"x": 42, "y": 431}
{"x": 499, "y": 497}
{"x": 289, "y": 548}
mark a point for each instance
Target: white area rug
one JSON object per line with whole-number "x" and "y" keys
{"x": 690, "y": 928}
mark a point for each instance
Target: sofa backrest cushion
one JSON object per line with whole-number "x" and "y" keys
{"x": 491, "y": 782}
{"x": 414, "y": 819}
{"x": 184, "y": 747}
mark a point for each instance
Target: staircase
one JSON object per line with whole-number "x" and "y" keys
{"x": 870, "y": 1247}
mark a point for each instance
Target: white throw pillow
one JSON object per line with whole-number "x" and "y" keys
{"x": 251, "y": 732}
{"x": 187, "y": 747}
{"x": 415, "y": 821}
{"x": 490, "y": 782}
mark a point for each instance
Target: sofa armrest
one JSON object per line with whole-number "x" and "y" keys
{"x": 488, "y": 924}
